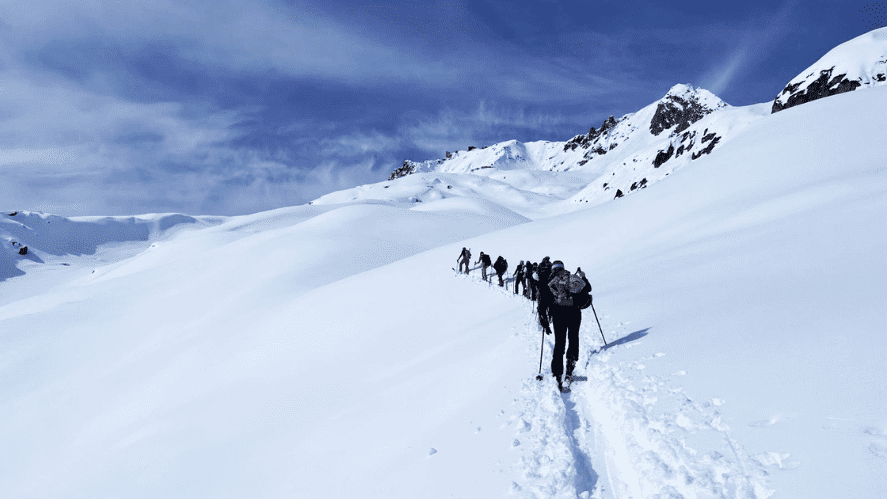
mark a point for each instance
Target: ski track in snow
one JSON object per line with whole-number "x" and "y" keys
{"x": 625, "y": 435}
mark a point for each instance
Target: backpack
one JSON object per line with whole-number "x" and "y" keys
{"x": 581, "y": 297}
{"x": 570, "y": 290}
{"x": 559, "y": 284}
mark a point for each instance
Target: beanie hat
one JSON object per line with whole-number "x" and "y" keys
{"x": 557, "y": 265}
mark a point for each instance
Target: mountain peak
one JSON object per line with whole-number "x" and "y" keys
{"x": 860, "y": 62}
{"x": 683, "y": 105}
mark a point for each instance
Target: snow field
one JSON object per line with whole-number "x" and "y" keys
{"x": 329, "y": 351}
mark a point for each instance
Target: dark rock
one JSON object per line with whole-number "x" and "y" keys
{"x": 711, "y": 145}
{"x": 708, "y": 137}
{"x": 449, "y": 155}
{"x": 471, "y": 148}
{"x": 881, "y": 77}
{"x": 14, "y": 213}
{"x": 585, "y": 141}
{"x": 824, "y": 86}
{"x": 634, "y": 185}
{"x": 679, "y": 151}
{"x": 407, "y": 168}
{"x": 23, "y": 250}
{"x": 618, "y": 194}
{"x": 663, "y": 156}
{"x": 677, "y": 111}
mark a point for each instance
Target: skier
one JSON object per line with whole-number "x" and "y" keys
{"x": 543, "y": 294}
{"x": 531, "y": 281}
{"x": 484, "y": 260}
{"x": 564, "y": 311}
{"x": 464, "y": 258}
{"x": 500, "y": 267}
{"x": 519, "y": 277}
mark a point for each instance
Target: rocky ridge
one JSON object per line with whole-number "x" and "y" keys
{"x": 858, "y": 63}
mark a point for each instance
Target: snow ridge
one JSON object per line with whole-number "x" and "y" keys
{"x": 858, "y": 63}
{"x": 606, "y": 163}
{"x": 624, "y": 434}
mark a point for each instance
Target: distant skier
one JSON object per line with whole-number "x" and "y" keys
{"x": 464, "y": 258}
{"x": 528, "y": 271}
{"x": 563, "y": 308}
{"x": 519, "y": 278}
{"x": 484, "y": 260}
{"x": 500, "y": 267}
{"x": 531, "y": 281}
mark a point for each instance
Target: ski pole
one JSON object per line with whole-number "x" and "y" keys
{"x": 598, "y": 324}
{"x": 541, "y": 349}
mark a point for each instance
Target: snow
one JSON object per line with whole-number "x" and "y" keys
{"x": 328, "y": 350}
{"x": 544, "y": 178}
{"x": 862, "y": 60}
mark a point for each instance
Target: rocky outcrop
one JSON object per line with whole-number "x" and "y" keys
{"x": 675, "y": 112}
{"x": 407, "y": 168}
{"x": 585, "y": 141}
{"x": 824, "y": 86}
{"x": 678, "y": 110}
{"x": 858, "y": 63}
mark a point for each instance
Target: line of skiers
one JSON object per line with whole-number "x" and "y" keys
{"x": 560, "y": 298}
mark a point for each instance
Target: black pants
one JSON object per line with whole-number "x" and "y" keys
{"x": 519, "y": 279}
{"x": 467, "y": 266}
{"x": 483, "y": 272}
{"x": 499, "y": 275}
{"x": 566, "y": 327}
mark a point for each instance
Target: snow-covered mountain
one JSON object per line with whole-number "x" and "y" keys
{"x": 858, "y": 63}
{"x": 328, "y": 350}
{"x": 621, "y": 156}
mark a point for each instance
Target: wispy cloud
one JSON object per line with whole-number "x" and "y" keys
{"x": 233, "y": 106}
{"x": 744, "y": 47}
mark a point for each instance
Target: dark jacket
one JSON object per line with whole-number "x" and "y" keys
{"x": 500, "y": 265}
{"x": 545, "y": 299}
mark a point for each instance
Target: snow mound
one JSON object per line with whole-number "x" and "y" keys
{"x": 858, "y": 63}
{"x": 481, "y": 207}
{"x": 39, "y": 237}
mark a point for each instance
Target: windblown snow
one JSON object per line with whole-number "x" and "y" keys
{"x": 330, "y": 350}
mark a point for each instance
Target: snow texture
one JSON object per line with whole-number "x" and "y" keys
{"x": 858, "y": 63}
{"x": 329, "y": 350}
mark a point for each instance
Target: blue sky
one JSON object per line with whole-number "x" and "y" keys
{"x": 113, "y": 108}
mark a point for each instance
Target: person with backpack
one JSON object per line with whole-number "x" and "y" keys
{"x": 531, "y": 281}
{"x": 464, "y": 258}
{"x": 500, "y": 267}
{"x": 519, "y": 277}
{"x": 528, "y": 271}
{"x": 484, "y": 260}
{"x": 570, "y": 293}
{"x": 543, "y": 294}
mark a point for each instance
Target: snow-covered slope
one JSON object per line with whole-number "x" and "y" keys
{"x": 858, "y": 63}
{"x": 330, "y": 351}
{"x": 623, "y": 155}
{"x": 39, "y": 237}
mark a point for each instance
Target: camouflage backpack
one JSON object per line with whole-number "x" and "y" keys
{"x": 567, "y": 289}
